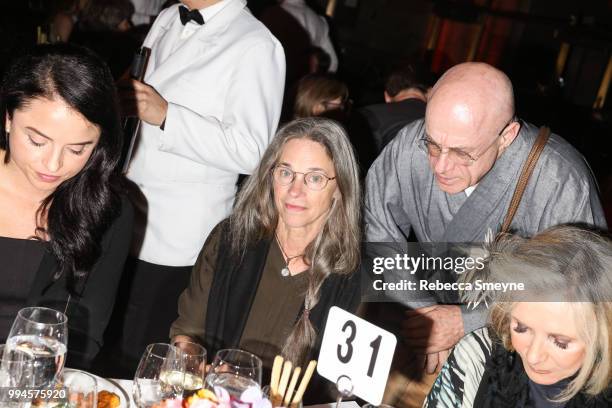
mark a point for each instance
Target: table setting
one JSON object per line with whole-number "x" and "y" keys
{"x": 32, "y": 374}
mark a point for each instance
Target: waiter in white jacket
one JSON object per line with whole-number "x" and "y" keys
{"x": 209, "y": 105}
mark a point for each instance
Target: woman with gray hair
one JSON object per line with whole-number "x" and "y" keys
{"x": 548, "y": 345}
{"x": 267, "y": 276}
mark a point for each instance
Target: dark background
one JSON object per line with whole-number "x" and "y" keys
{"x": 522, "y": 37}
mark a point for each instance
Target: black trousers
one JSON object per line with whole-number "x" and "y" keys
{"x": 145, "y": 309}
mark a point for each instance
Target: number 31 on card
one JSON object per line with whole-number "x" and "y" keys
{"x": 357, "y": 349}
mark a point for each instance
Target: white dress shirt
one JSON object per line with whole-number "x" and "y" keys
{"x": 224, "y": 87}
{"x": 316, "y": 27}
{"x": 207, "y": 14}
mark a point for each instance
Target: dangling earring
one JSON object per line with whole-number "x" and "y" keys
{"x": 510, "y": 359}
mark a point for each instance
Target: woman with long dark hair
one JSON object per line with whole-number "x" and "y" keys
{"x": 268, "y": 275}
{"x": 64, "y": 227}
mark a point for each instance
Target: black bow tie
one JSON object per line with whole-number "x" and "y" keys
{"x": 187, "y": 16}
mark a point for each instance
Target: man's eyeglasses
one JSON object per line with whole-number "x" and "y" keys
{"x": 457, "y": 155}
{"x": 314, "y": 180}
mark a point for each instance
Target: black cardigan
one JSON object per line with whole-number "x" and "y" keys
{"x": 88, "y": 310}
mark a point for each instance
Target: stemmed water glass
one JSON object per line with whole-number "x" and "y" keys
{"x": 159, "y": 376}
{"x": 235, "y": 371}
{"x": 42, "y": 334}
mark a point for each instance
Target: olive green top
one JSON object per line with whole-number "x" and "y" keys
{"x": 273, "y": 313}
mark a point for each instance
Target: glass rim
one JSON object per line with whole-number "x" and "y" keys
{"x": 250, "y": 355}
{"x": 170, "y": 347}
{"x": 204, "y": 351}
{"x": 80, "y": 372}
{"x": 21, "y": 315}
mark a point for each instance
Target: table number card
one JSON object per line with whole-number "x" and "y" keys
{"x": 357, "y": 349}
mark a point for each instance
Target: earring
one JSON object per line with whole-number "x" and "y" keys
{"x": 510, "y": 359}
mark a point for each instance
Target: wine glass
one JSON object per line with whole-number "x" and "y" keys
{"x": 81, "y": 388}
{"x": 41, "y": 333}
{"x": 16, "y": 373}
{"x": 235, "y": 371}
{"x": 159, "y": 376}
{"x": 194, "y": 356}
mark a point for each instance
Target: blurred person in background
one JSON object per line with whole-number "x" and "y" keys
{"x": 318, "y": 61}
{"x": 405, "y": 100}
{"x": 316, "y": 27}
{"x": 145, "y": 11}
{"x": 64, "y": 15}
{"x": 105, "y": 27}
{"x": 318, "y": 95}
{"x": 106, "y": 15}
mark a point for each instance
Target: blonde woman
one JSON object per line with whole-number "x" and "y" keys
{"x": 552, "y": 347}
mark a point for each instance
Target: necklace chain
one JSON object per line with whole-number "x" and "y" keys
{"x": 287, "y": 258}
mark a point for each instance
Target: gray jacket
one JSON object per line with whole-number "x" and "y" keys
{"x": 402, "y": 196}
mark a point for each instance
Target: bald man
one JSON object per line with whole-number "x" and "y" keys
{"x": 451, "y": 176}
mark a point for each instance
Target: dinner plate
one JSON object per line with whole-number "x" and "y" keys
{"x": 115, "y": 387}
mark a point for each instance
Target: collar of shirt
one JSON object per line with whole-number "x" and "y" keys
{"x": 470, "y": 190}
{"x": 207, "y": 13}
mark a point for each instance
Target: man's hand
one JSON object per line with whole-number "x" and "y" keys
{"x": 142, "y": 100}
{"x": 433, "y": 329}
{"x": 435, "y": 361}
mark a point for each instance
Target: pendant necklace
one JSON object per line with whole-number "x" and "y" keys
{"x": 285, "y": 271}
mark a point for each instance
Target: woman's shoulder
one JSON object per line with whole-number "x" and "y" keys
{"x": 220, "y": 234}
{"x": 119, "y": 231}
{"x": 124, "y": 213}
{"x": 127, "y": 209}
{"x": 216, "y": 239}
